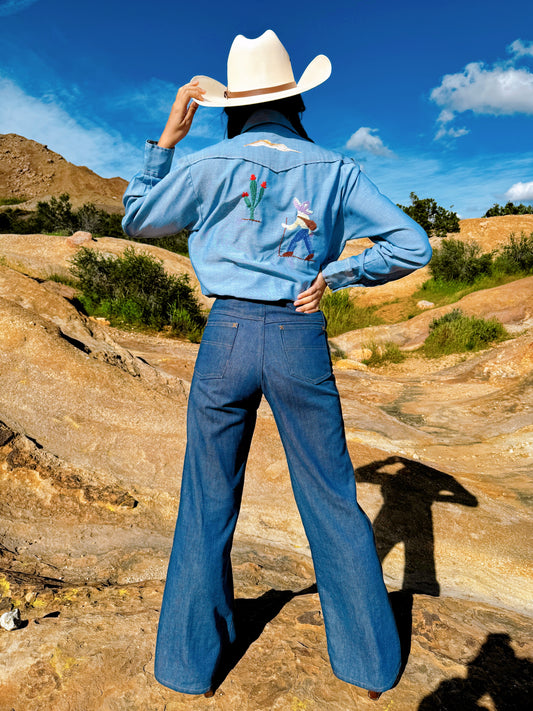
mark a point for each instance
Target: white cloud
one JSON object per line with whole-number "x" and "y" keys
{"x": 520, "y": 192}
{"x": 496, "y": 90}
{"x": 10, "y": 7}
{"x": 521, "y": 49}
{"x": 101, "y": 148}
{"x": 501, "y": 89}
{"x": 366, "y": 140}
{"x": 451, "y": 132}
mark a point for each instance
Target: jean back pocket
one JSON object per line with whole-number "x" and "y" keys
{"x": 306, "y": 351}
{"x": 215, "y": 349}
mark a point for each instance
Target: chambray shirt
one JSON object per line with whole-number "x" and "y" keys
{"x": 267, "y": 210}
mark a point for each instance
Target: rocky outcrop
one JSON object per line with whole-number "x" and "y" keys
{"x": 92, "y": 435}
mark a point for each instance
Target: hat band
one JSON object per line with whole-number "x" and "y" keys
{"x": 258, "y": 92}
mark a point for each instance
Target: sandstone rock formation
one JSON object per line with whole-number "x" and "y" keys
{"x": 92, "y": 434}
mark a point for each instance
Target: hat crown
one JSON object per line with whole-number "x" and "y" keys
{"x": 258, "y": 63}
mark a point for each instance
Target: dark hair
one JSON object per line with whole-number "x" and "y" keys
{"x": 292, "y": 107}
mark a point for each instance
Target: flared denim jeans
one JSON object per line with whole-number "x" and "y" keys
{"x": 250, "y": 349}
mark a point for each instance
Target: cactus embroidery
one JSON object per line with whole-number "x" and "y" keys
{"x": 254, "y": 197}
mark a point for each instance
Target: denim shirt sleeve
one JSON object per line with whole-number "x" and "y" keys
{"x": 159, "y": 202}
{"x": 400, "y": 244}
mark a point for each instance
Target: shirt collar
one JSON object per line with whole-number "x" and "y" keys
{"x": 264, "y": 116}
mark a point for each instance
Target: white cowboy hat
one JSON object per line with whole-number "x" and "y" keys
{"x": 260, "y": 70}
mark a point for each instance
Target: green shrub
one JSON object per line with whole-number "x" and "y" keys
{"x": 509, "y": 209}
{"x": 58, "y": 217}
{"x": 517, "y": 255}
{"x": 383, "y": 353}
{"x": 57, "y": 214}
{"x": 135, "y": 289}
{"x": 456, "y": 333}
{"x": 19, "y": 221}
{"x": 12, "y": 200}
{"x": 458, "y": 261}
{"x": 343, "y": 315}
{"x": 99, "y": 222}
{"x": 433, "y": 218}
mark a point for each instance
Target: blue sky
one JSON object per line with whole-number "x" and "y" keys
{"x": 435, "y": 98}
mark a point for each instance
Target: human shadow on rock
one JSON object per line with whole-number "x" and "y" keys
{"x": 496, "y": 672}
{"x": 251, "y": 615}
{"x": 409, "y": 489}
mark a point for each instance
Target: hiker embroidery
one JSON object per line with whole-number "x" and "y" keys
{"x": 252, "y": 199}
{"x": 305, "y": 230}
{"x": 269, "y": 144}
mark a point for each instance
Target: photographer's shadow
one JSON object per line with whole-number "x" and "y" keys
{"x": 406, "y": 515}
{"x": 496, "y": 672}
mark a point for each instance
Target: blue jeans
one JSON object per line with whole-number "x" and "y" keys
{"x": 250, "y": 349}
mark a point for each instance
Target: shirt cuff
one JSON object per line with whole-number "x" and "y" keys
{"x": 157, "y": 160}
{"x": 341, "y": 274}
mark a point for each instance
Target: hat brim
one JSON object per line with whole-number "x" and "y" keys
{"x": 316, "y": 73}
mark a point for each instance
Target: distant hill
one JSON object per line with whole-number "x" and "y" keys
{"x": 31, "y": 170}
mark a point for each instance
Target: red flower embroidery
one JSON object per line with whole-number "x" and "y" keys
{"x": 245, "y": 194}
{"x": 263, "y": 185}
{"x": 252, "y": 177}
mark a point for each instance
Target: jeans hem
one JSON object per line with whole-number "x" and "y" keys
{"x": 364, "y": 685}
{"x": 181, "y": 689}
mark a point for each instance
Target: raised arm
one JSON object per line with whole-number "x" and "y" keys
{"x": 157, "y": 202}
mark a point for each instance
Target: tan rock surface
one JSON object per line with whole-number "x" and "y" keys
{"x": 90, "y": 456}
{"x": 97, "y": 653}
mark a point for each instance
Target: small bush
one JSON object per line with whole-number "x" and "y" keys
{"x": 383, "y": 353}
{"x": 12, "y": 200}
{"x": 57, "y": 214}
{"x": 58, "y": 217}
{"x": 19, "y": 221}
{"x": 135, "y": 289}
{"x": 343, "y": 315}
{"x": 517, "y": 255}
{"x": 456, "y": 333}
{"x": 459, "y": 261}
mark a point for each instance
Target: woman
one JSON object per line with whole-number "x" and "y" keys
{"x": 269, "y": 213}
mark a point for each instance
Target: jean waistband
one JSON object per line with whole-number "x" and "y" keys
{"x": 253, "y": 309}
